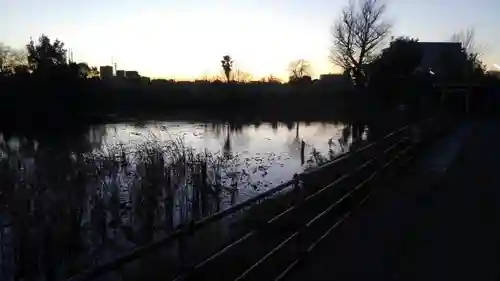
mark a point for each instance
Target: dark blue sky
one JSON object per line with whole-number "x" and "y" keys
{"x": 187, "y": 38}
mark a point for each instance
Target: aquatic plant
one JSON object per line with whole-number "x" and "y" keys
{"x": 94, "y": 205}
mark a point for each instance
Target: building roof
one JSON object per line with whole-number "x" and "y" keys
{"x": 432, "y": 51}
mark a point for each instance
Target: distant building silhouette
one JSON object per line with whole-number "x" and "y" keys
{"x": 106, "y": 72}
{"x": 132, "y": 74}
{"x": 120, "y": 73}
{"x": 336, "y": 80}
{"x": 333, "y": 78}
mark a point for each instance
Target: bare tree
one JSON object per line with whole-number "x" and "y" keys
{"x": 10, "y": 59}
{"x": 472, "y": 50}
{"x": 19, "y": 57}
{"x": 4, "y": 58}
{"x": 467, "y": 38}
{"x": 357, "y": 35}
{"x": 270, "y": 79}
{"x": 298, "y": 69}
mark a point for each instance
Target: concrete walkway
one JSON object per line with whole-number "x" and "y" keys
{"x": 439, "y": 221}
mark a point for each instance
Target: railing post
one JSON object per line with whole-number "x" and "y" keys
{"x": 416, "y": 133}
{"x": 424, "y": 130}
{"x": 299, "y": 227}
{"x": 302, "y": 152}
{"x": 183, "y": 247}
{"x": 2, "y": 253}
{"x": 296, "y": 189}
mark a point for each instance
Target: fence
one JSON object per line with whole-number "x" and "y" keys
{"x": 278, "y": 239}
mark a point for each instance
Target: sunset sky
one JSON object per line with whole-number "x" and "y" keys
{"x": 186, "y": 39}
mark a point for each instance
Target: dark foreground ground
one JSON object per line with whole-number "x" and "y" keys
{"x": 439, "y": 221}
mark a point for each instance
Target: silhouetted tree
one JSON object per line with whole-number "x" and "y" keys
{"x": 4, "y": 57}
{"x": 300, "y": 81}
{"x": 356, "y": 36}
{"x": 93, "y": 72}
{"x": 227, "y": 66}
{"x": 458, "y": 67}
{"x": 10, "y": 59}
{"x": 473, "y": 67}
{"x": 467, "y": 38}
{"x": 83, "y": 69}
{"x": 298, "y": 69}
{"x": 45, "y": 55}
{"x": 392, "y": 72}
{"x": 397, "y": 61}
{"x": 271, "y": 79}
{"x": 19, "y": 57}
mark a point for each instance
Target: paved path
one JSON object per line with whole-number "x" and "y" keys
{"x": 458, "y": 236}
{"x": 440, "y": 221}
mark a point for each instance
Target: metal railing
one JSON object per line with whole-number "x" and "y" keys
{"x": 276, "y": 246}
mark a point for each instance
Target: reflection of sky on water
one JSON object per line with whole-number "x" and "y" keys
{"x": 264, "y": 156}
{"x": 261, "y": 156}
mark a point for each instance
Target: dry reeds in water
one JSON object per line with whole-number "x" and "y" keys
{"x": 97, "y": 204}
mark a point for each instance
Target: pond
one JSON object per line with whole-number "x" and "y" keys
{"x": 267, "y": 154}
{"x": 93, "y": 194}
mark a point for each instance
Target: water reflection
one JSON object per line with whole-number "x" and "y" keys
{"x": 227, "y": 142}
{"x": 42, "y": 191}
{"x": 75, "y": 200}
{"x": 273, "y": 148}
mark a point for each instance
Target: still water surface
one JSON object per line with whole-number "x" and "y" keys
{"x": 268, "y": 153}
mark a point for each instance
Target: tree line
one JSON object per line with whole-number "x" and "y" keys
{"x": 46, "y": 57}
{"x": 356, "y": 47}
{"x": 42, "y": 58}
{"x": 380, "y": 72}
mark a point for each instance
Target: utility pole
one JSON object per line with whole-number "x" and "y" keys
{"x": 114, "y": 64}
{"x": 467, "y": 99}
{"x": 70, "y": 56}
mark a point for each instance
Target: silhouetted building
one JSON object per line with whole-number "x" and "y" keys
{"x": 434, "y": 52}
{"x": 333, "y": 78}
{"x": 131, "y": 74}
{"x": 337, "y": 80}
{"x": 106, "y": 72}
{"x": 120, "y": 74}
